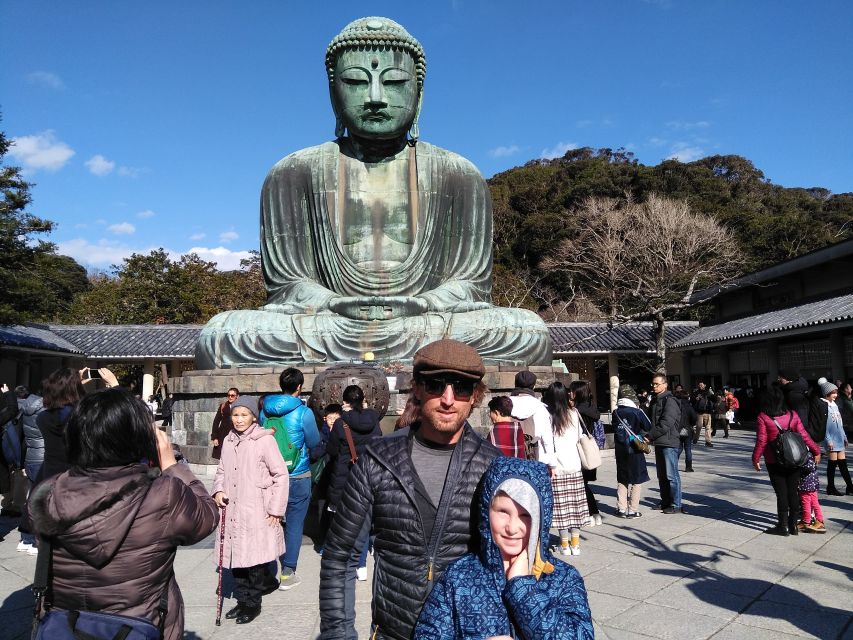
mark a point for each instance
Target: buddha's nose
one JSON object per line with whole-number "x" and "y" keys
{"x": 377, "y": 94}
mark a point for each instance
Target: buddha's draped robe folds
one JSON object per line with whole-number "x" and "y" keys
{"x": 306, "y": 267}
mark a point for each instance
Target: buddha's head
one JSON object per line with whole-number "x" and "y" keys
{"x": 376, "y": 73}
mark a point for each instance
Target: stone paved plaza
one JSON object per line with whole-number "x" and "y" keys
{"x": 708, "y": 574}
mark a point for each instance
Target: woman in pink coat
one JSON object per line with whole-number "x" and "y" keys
{"x": 784, "y": 480}
{"x": 251, "y": 484}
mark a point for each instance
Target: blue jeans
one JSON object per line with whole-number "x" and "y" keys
{"x": 666, "y": 461}
{"x": 298, "y": 498}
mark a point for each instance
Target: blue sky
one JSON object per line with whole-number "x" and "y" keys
{"x": 148, "y": 124}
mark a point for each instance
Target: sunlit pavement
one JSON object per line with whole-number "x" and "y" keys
{"x": 710, "y": 573}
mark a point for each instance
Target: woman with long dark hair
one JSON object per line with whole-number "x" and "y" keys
{"x": 584, "y": 402}
{"x": 61, "y": 391}
{"x": 116, "y": 517}
{"x": 773, "y": 418}
{"x": 357, "y": 425}
{"x": 570, "y": 507}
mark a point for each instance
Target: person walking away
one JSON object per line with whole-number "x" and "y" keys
{"x": 666, "y": 422}
{"x": 732, "y": 407}
{"x": 584, "y": 402}
{"x": 115, "y": 523}
{"x": 845, "y": 406}
{"x": 796, "y": 391}
{"x": 513, "y": 586}
{"x": 772, "y": 418}
{"x": 416, "y": 486}
{"x": 351, "y": 433}
{"x": 570, "y": 508}
{"x": 30, "y": 406}
{"x": 704, "y": 408}
{"x": 631, "y": 471}
{"x": 222, "y": 423}
{"x": 251, "y": 484}
{"x": 812, "y": 519}
{"x": 297, "y": 436}
{"x": 720, "y": 421}
{"x": 826, "y": 425}
{"x": 507, "y": 433}
{"x": 533, "y": 416}
{"x": 687, "y": 429}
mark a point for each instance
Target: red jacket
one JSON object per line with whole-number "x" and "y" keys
{"x": 766, "y": 432}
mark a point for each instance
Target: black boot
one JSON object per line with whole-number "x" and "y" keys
{"x": 830, "y": 479}
{"x": 689, "y": 466}
{"x": 792, "y": 526}
{"x": 248, "y": 614}
{"x": 233, "y": 613}
{"x": 781, "y": 528}
{"x": 845, "y": 473}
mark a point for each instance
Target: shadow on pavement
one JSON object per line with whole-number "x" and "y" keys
{"x": 16, "y": 612}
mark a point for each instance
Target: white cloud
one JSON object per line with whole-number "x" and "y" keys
{"x": 146, "y": 214}
{"x": 504, "y": 152}
{"x": 657, "y": 142}
{"x": 228, "y": 236}
{"x": 225, "y": 259}
{"x": 41, "y": 151}
{"x": 123, "y": 228}
{"x": 198, "y": 236}
{"x": 130, "y": 172}
{"x": 681, "y": 125}
{"x": 46, "y": 80}
{"x": 683, "y": 152}
{"x": 99, "y": 165}
{"x": 558, "y": 150}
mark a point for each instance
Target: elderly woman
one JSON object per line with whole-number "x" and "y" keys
{"x": 116, "y": 517}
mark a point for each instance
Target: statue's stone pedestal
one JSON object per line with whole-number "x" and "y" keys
{"x": 198, "y": 395}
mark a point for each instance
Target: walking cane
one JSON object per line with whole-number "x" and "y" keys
{"x": 219, "y": 589}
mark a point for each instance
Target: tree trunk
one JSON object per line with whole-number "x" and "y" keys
{"x": 660, "y": 344}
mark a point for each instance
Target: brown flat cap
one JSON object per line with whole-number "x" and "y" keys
{"x": 449, "y": 356}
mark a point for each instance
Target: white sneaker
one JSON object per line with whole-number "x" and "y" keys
{"x": 25, "y": 546}
{"x": 575, "y": 551}
{"x": 361, "y": 574}
{"x": 32, "y": 551}
{"x": 597, "y": 519}
{"x": 564, "y": 551}
{"x": 589, "y": 522}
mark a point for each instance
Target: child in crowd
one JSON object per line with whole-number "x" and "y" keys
{"x": 512, "y": 588}
{"x": 251, "y": 484}
{"x": 507, "y": 433}
{"x": 808, "y": 487}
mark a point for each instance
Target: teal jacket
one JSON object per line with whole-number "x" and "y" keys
{"x": 300, "y": 423}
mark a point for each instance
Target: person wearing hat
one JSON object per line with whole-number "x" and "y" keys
{"x": 629, "y": 422}
{"x": 251, "y": 484}
{"x": 535, "y": 420}
{"x": 825, "y": 425}
{"x": 416, "y": 486}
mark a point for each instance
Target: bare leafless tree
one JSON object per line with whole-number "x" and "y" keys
{"x": 645, "y": 260}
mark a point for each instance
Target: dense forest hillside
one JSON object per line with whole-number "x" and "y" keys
{"x": 534, "y": 204}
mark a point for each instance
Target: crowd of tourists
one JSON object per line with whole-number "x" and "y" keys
{"x": 105, "y": 490}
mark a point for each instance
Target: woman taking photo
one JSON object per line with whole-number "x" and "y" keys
{"x": 773, "y": 418}
{"x": 570, "y": 508}
{"x": 116, "y": 517}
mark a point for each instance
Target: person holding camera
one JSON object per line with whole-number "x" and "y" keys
{"x": 116, "y": 517}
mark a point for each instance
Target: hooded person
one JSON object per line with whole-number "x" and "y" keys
{"x": 631, "y": 472}
{"x": 513, "y": 586}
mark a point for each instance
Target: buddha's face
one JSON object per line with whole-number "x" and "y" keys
{"x": 375, "y": 92}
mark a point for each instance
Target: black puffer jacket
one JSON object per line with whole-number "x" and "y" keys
{"x": 797, "y": 398}
{"x": 364, "y": 426}
{"x": 666, "y": 420}
{"x": 382, "y": 486}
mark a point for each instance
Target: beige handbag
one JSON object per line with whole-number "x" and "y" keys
{"x": 588, "y": 451}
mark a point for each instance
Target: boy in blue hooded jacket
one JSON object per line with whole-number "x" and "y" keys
{"x": 513, "y": 588}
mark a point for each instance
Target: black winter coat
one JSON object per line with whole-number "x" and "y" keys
{"x": 816, "y": 423}
{"x": 364, "y": 427}
{"x": 665, "y": 413}
{"x": 382, "y": 487}
{"x": 796, "y": 397}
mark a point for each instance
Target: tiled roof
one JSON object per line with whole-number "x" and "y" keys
{"x": 598, "y": 337}
{"x": 35, "y": 337}
{"x": 132, "y": 340}
{"x": 839, "y": 309}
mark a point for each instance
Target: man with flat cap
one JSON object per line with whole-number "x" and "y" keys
{"x": 417, "y": 488}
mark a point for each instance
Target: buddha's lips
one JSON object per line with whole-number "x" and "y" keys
{"x": 379, "y": 116}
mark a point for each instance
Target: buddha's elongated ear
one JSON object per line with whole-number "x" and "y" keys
{"x": 414, "y": 130}
{"x": 340, "y": 129}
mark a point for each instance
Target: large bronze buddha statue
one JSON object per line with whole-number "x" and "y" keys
{"x": 375, "y": 242}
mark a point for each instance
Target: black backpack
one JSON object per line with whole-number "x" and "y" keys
{"x": 789, "y": 447}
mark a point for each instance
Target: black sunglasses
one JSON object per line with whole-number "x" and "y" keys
{"x": 463, "y": 388}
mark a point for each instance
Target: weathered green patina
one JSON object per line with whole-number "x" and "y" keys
{"x": 376, "y": 242}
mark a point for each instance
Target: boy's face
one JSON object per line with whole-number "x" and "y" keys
{"x": 510, "y": 525}
{"x": 330, "y": 419}
{"x": 242, "y": 419}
